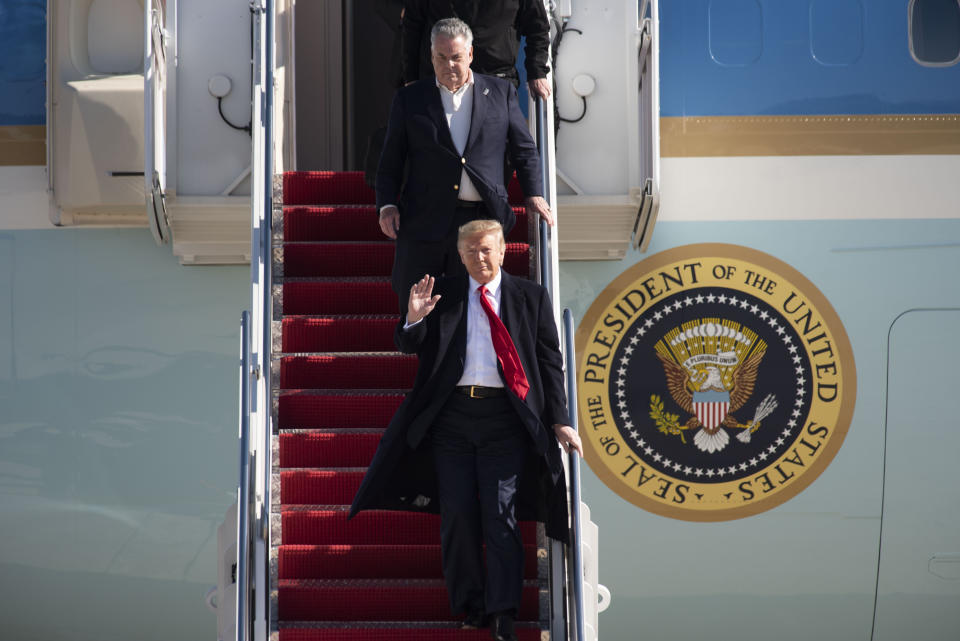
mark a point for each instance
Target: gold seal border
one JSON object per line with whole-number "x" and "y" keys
{"x": 844, "y": 351}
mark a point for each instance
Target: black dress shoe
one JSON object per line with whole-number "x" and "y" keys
{"x": 501, "y": 628}
{"x": 474, "y": 620}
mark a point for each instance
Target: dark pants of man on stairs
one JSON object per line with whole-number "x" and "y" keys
{"x": 479, "y": 448}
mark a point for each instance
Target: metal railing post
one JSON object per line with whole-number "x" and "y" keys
{"x": 261, "y": 614}
{"x": 575, "y": 569}
{"x": 546, "y": 171}
{"x": 266, "y": 236}
{"x": 558, "y": 629}
{"x": 253, "y": 573}
{"x": 243, "y": 492}
{"x": 560, "y": 558}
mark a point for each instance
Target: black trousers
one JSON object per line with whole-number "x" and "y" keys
{"x": 479, "y": 447}
{"x": 414, "y": 258}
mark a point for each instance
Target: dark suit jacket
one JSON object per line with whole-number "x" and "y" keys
{"x": 419, "y": 144}
{"x": 402, "y": 475}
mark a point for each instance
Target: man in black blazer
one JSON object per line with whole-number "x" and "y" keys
{"x": 475, "y": 439}
{"x": 442, "y": 160}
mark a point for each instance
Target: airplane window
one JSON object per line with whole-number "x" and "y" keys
{"x": 836, "y": 31}
{"x": 934, "y": 27}
{"x": 735, "y": 32}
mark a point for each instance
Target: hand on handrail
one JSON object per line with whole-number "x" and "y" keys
{"x": 568, "y": 438}
{"x": 539, "y": 87}
{"x": 537, "y": 205}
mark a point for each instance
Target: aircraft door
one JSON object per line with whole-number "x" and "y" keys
{"x": 919, "y": 575}
{"x": 345, "y": 85}
{"x": 372, "y": 73}
{"x": 608, "y": 143}
{"x": 155, "y": 118}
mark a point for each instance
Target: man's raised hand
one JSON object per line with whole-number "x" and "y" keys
{"x": 422, "y": 301}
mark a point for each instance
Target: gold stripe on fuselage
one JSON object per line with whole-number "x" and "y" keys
{"x": 838, "y": 135}
{"x": 23, "y": 145}
{"x": 854, "y": 135}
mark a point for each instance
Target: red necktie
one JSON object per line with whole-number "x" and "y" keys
{"x": 506, "y": 351}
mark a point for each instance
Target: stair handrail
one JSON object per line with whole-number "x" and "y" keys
{"x": 543, "y": 135}
{"x": 244, "y": 491}
{"x": 548, "y": 270}
{"x": 547, "y": 247}
{"x": 575, "y": 568}
{"x": 253, "y": 527}
{"x": 544, "y": 142}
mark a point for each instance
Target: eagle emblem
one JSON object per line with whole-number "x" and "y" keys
{"x": 711, "y": 369}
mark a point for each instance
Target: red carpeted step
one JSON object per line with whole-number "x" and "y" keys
{"x": 345, "y": 188}
{"x": 326, "y": 188}
{"x": 307, "y": 525}
{"x": 342, "y": 448}
{"x": 358, "y": 410}
{"x": 345, "y": 222}
{"x": 338, "y": 259}
{"x": 519, "y": 233}
{"x": 319, "y": 487}
{"x": 360, "y": 562}
{"x": 357, "y": 223}
{"x": 329, "y": 526}
{"x": 525, "y": 632}
{"x": 363, "y": 600}
{"x": 339, "y": 333}
{"x": 514, "y": 193}
{"x": 393, "y": 371}
{"x": 372, "y": 561}
{"x": 323, "y": 297}
{"x": 369, "y": 259}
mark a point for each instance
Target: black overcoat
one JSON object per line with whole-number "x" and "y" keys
{"x": 402, "y": 474}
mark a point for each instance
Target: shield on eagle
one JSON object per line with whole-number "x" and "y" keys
{"x": 711, "y": 407}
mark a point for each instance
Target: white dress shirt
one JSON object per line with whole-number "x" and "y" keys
{"x": 480, "y": 365}
{"x": 458, "y": 108}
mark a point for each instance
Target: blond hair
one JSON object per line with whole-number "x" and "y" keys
{"x": 480, "y": 226}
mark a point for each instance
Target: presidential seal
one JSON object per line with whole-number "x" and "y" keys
{"x": 714, "y": 382}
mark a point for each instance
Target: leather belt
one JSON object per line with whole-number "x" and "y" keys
{"x": 478, "y": 391}
{"x": 469, "y": 204}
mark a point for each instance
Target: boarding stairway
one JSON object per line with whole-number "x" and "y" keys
{"x": 319, "y": 382}
{"x": 337, "y": 381}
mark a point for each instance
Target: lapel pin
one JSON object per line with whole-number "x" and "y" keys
{"x": 486, "y": 91}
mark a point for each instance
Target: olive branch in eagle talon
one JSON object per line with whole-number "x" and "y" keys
{"x": 666, "y": 422}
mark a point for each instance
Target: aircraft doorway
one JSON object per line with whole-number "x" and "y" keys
{"x": 347, "y": 69}
{"x": 919, "y": 574}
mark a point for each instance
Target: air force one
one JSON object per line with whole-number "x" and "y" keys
{"x": 758, "y": 238}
